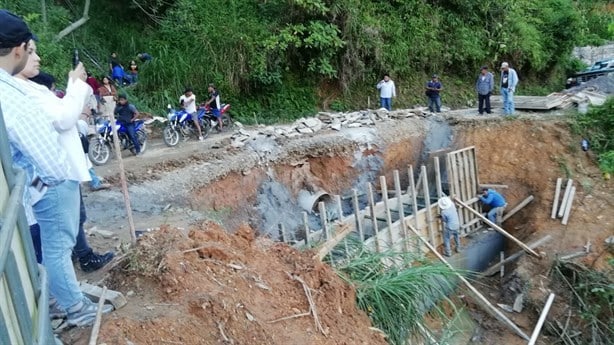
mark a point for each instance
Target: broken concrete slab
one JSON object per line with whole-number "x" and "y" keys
{"x": 94, "y": 292}
{"x": 518, "y": 303}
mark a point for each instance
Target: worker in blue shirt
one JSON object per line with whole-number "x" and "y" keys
{"x": 496, "y": 202}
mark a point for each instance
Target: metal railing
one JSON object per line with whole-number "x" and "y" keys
{"x": 24, "y": 305}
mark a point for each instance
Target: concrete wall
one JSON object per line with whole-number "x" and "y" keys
{"x": 590, "y": 54}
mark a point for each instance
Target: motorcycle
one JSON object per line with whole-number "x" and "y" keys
{"x": 180, "y": 122}
{"x": 102, "y": 145}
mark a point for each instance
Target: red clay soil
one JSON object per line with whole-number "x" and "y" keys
{"x": 212, "y": 287}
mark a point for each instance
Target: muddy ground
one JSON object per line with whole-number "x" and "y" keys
{"x": 210, "y": 195}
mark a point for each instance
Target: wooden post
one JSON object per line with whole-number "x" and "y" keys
{"x": 373, "y": 216}
{"x": 397, "y": 188}
{"x": 383, "y": 185}
{"x": 498, "y": 228}
{"x": 340, "y": 211}
{"x": 438, "y": 177}
{"x": 323, "y": 220}
{"x": 517, "y": 208}
{"x": 501, "y": 259}
{"x": 96, "y": 327}
{"x": 492, "y": 185}
{"x": 557, "y": 192}
{"x": 122, "y": 178}
{"x": 493, "y": 269}
{"x": 482, "y": 301}
{"x": 565, "y": 197}
{"x": 414, "y": 202}
{"x": 427, "y": 201}
{"x": 282, "y": 231}
{"x": 357, "y": 216}
{"x": 307, "y": 232}
{"x": 542, "y": 319}
{"x": 568, "y": 205}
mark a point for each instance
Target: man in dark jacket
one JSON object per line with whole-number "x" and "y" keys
{"x": 484, "y": 86}
{"x": 126, "y": 114}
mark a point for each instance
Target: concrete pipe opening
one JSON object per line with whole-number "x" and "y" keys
{"x": 309, "y": 201}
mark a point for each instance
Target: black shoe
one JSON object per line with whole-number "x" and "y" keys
{"x": 95, "y": 261}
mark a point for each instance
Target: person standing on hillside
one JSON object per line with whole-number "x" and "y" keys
{"x": 496, "y": 202}
{"x": 509, "y": 81}
{"x": 433, "y": 88}
{"x": 387, "y": 91}
{"x": 188, "y": 103}
{"x": 451, "y": 224}
{"x": 484, "y": 86}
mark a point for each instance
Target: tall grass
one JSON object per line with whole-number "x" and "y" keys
{"x": 397, "y": 297}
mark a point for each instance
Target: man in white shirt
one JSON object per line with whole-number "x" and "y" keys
{"x": 188, "y": 102}
{"x": 386, "y": 92}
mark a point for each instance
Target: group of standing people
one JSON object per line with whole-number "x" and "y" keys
{"x": 484, "y": 86}
{"x": 48, "y": 148}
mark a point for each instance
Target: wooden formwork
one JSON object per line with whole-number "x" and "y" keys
{"x": 464, "y": 183}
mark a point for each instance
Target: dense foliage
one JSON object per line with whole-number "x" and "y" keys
{"x": 279, "y": 59}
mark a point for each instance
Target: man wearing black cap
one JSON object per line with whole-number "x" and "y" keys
{"x": 484, "y": 86}
{"x": 433, "y": 87}
{"x": 35, "y": 148}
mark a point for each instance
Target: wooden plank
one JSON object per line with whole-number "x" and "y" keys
{"x": 326, "y": 230}
{"x": 427, "y": 201}
{"x": 477, "y": 181}
{"x": 470, "y": 223}
{"x": 306, "y": 228}
{"x": 384, "y": 186}
{"x": 542, "y": 319}
{"x": 557, "y": 192}
{"x": 357, "y": 215}
{"x": 373, "y": 216}
{"x": 461, "y": 150}
{"x": 414, "y": 201}
{"x": 501, "y": 266}
{"x": 568, "y": 205}
{"x": 401, "y": 209}
{"x": 492, "y": 185}
{"x": 565, "y": 197}
{"x": 482, "y": 301}
{"x": 467, "y": 181}
{"x": 493, "y": 269}
{"x": 498, "y": 228}
{"x": 438, "y": 177}
{"x": 517, "y": 208}
{"x": 327, "y": 246}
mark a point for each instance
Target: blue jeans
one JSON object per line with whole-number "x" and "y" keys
{"x": 495, "y": 214}
{"x": 435, "y": 103}
{"x": 95, "y": 180}
{"x": 508, "y": 101}
{"x": 386, "y": 103}
{"x": 447, "y": 233}
{"x": 57, "y": 215}
{"x": 81, "y": 249}
{"x": 129, "y": 126}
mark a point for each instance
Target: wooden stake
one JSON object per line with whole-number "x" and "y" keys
{"x": 565, "y": 197}
{"x": 383, "y": 184}
{"x": 373, "y": 217}
{"x": 323, "y": 220}
{"x": 501, "y": 259}
{"x": 306, "y": 228}
{"x": 397, "y": 188}
{"x": 557, "y": 192}
{"x": 568, "y": 205}
{"x": 282, "y": 231}
{"x": 414, "y": 202}
{"x": 340, "y": 211}
{"x": 493, "y": 269}
{"x": 96, "y": 327}
{"x": 542, "y": 318}
{"x": 357, "y": 216}
{"x": 438, "y": 177}
{"x": 427, "y": 201}
{"x": 498, "y": 228}
{"x": 482, "y": 301}
{"x": 122, "y": 178}
{"x": 517, "y": 208}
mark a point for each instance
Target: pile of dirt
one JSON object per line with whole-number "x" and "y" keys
{"x": 212, "y": 287}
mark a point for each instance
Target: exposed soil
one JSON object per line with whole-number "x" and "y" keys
{"x": 214, "y": 295}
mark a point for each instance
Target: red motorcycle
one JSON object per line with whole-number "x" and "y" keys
{"x": 210, "y": 121}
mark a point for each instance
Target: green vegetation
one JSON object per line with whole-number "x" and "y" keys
{"x": 397, "y": 291}
{"x": 277, "y": 60}
{"x": 598, "y": 127}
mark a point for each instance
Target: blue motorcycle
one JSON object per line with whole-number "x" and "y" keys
{"x": 180, "y": 122}
{"x": 101, "y": 146}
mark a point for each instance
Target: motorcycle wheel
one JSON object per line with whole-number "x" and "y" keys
{"x": 99, "y": 152}
{"x": 205, "y": 127}
{"x": 142, "y": 138}
{"x": 227, "y": 122}
{"x": 170, "y": 136}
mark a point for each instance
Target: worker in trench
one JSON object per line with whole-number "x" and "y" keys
{"x": 496, "y": 202}
{"x": 451, "y": 224}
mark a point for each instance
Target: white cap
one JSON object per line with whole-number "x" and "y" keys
{"x": 504, "y": 65}
{"x": 444, "y": 203}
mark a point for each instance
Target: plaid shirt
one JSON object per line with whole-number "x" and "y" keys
{"x": 33, "y": 140}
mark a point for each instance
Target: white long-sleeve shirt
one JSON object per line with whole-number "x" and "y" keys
{"x": 386, "y": 89}
{"x": 64, "y": 113}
